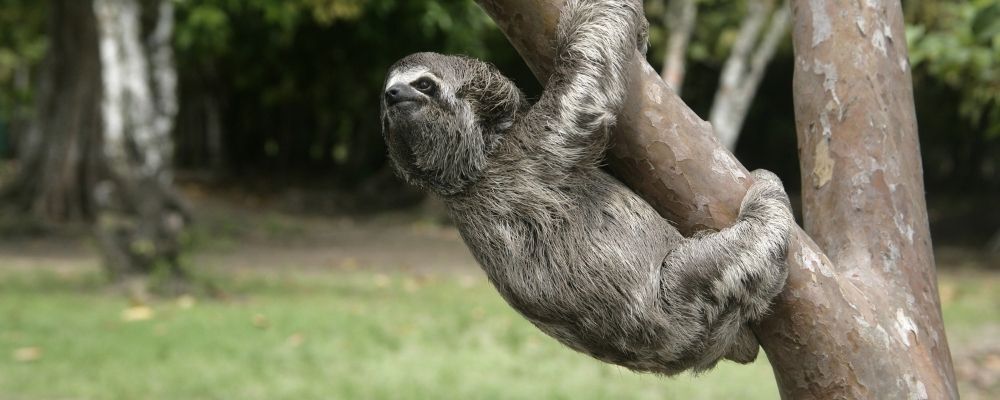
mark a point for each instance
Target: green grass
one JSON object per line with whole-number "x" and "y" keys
{"x": 329, "y": 336}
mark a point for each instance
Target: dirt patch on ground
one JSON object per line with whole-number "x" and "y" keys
{"x": 236, "y": 236}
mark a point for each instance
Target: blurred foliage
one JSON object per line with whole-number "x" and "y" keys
{"x": 209, "y": 26}
{"x": 717, "y": 28}
{"x": 22, "y": 47}
{"x": 297, "y": 80}
{"x": 958, "y": 44}
{"x": 290, "y": 87}
{"x": 955, "y": 54}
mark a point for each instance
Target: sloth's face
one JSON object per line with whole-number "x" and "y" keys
{"x": 431, "y": 121}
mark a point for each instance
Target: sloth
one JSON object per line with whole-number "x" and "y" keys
{"x": 567, "y": 245}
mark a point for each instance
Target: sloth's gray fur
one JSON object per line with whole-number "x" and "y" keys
{"x": 567, "y": 245}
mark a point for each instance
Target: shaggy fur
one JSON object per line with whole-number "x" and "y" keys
{"x": 568, "y": 246}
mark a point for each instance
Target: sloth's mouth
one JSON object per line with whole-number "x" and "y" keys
{"x": 407, "y": 104}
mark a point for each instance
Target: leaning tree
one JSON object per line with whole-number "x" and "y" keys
{"x": 763, "y": 26}
{"x": 860, "y": 317}
{"x": 98, "y": 148}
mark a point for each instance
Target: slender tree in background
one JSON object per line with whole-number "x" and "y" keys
{"x": 744, "y": 68}
{"x": 869, "y": 325}
{"x": 680, "y": 18}
{"x": 99, "y": 148}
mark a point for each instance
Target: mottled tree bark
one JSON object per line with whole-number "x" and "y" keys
{"x": 863, "y": 194}
{"x": 832, "y": 334}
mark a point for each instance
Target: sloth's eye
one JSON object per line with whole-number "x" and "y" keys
{"x": 424, "y": 85}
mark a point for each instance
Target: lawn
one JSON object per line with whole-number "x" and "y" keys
{"x": 337, "y": 335}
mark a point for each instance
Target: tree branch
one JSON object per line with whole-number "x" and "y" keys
{"x": 816, "y": 336}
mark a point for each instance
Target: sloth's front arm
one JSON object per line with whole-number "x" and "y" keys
{"x": 595, "y": 41}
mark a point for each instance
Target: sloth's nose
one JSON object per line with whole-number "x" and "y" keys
{"x": 399, "y": 93}
{"x": 392, "y": 93}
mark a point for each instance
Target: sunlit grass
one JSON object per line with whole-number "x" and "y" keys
{"x": 328, "y": 335}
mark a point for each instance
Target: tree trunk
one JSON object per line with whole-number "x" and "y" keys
{"x": 821, "y": 336}
{"x": 140, "y": 217}
{"x": 99, "y": 149}
{"x": 56, "y": 163}
{"x": 863, "y": 200}
{"x": 745, "y": 67}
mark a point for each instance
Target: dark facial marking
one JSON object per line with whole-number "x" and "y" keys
{"x": 426, "y": 86}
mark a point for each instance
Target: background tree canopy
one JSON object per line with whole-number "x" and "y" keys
{"x": 295, "y": 83}
{"x": 289, "y": 88}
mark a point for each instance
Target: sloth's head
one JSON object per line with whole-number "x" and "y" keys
{"x": 441, "y": 117}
